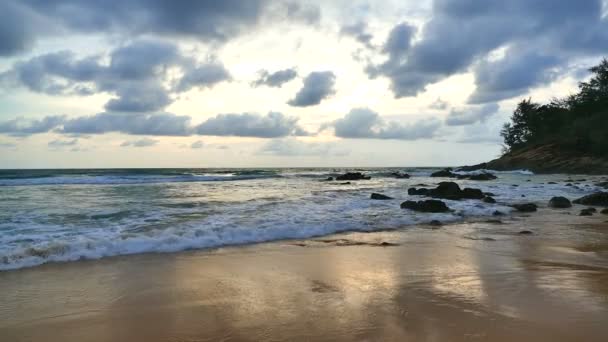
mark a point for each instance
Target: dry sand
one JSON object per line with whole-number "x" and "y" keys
{"x": 465, "y": 282}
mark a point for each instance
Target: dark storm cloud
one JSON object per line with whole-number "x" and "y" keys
{"x": 275, "y": 79}
{"x": 317, "y": 87}
{"x": 363, "y": 123}
{"x": 272, "y": 125}
{"x": 512, "y": 76}
{"x": 205, "y": 20}
{"x": 471, "y": 115}
{"x": 135, "y": 75}
{"x": 461, "y": 33}
{"x": 144, "y": 142}
{"x": 24, "y": 127}
{"x": 163, "y": 124}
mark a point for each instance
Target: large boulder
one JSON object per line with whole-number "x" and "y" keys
{"x": 598, "y": 198}
{"x": 525, "y": 207}
{"x": 376, "y": 196}
{"x": 428, "y": 206}
{"x": 447, "y": 190}
{"x": 419, "y": 191}
{"x": 587, "y": 212}
{"x": 470, "y": 193}
{"x": 350, "y": 176}
{"x": 560, "y": 202}
{"x": 444, "y": 173}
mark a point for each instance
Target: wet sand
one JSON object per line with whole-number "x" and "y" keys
{"x": 476, "y": 281}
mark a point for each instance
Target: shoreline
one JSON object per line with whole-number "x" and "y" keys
{"x": 483, "y": 278}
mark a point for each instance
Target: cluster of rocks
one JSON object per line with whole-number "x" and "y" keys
{"x": 400, "y": 175}
{"x": 428, "y": 206}
{"x": 448, "y": 190}
{"x": 352, "y": 176}
{"x": 447, "y": 173}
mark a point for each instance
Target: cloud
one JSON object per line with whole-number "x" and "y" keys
{"x": 360, "y": 32}
{"x": 62, "y": 143}
{"x": 275, "y": 79}
{"x": 204, "y": 76}
{"x": 139, "y": 98}
{"x": 204, "y": 20}
{"x": 439, "y": 104}
{"x": 23, "y": 127}
{"x": 272, "y": 125}
{"x": 461, "y": 34}
{"x": 165, "y": 124}
{"x": 471, "y": 115}
{"x": 144, "y": 142}
{"x": 512, "y": 75}
{"x": 197, "y": 145}
{"x": 363, "y": 123}
{"x": 136, "y": 74}
{"x": 317, "y": 87}
{"x": 7, "y": 145}
{"x": 290, "y": 147}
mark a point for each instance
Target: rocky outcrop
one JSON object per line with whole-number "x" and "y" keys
{"x": 446, "y": 173}
{"x": 489, "y": 200}
{"x": 351, "y": 176}
{"x": 548, "y": 158}
{"x": 448, "y": 190}
{"x": 559, "y": 202}
{"x": 428, "y": 206}
{"x": 400, "y": 175}
{"x": 598, "y": 198}
{"x": 525, "y": 207}
{"x": 376, "y": 196}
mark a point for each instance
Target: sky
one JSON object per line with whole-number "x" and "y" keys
{"x": 271, "y": 83}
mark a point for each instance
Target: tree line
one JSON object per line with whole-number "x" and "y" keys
{"x": 577, "y": 123}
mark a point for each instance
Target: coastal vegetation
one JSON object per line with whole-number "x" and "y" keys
{"x": 575, "y": 124}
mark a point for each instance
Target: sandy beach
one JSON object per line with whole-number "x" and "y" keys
{"x": 473, "y": 281}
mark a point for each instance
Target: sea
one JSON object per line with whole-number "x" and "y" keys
{"x": 68, "y": 215}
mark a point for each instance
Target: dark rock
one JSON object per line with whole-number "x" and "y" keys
{"x": 525, "y": 232}
{"x": 605, "y": 211}
{"x": 491, "y": 194}
{"x": 345, "y": 183}
{"x": 421, "y": 191}
{"x": 603, "y": 185}
{"x": 387, "y": 244}
{"x": 435, "y": 223}
{"x": 349, "y": 176}
{"x": 569, "y": 184}
{"x": 551, "y": 183}
{"x": 586, "y": 212}
{"x": 482, "y": 177}
{"x": 559, "y": 202}
{"x": 448, "y": 190}
{"x": 429, "y": 206}
{"x": 329, "y": 179}
{"x": 523, "y": 195}
{"x": 489, "y": 199}
{"x": 581, "y": 180}
{"x": 470, "y": 193}
{"x": 591, "y": 209}
{"x": 498, "y": 213}
{"x": 598, "y": 198}
{"x": 376, "y": 196}
{"x": 444, "y": 173}
{"x": 525, "y": 207}
{"x": 400, "y": 175}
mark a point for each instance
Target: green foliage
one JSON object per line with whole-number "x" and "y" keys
{"x": 578, "y": 122}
